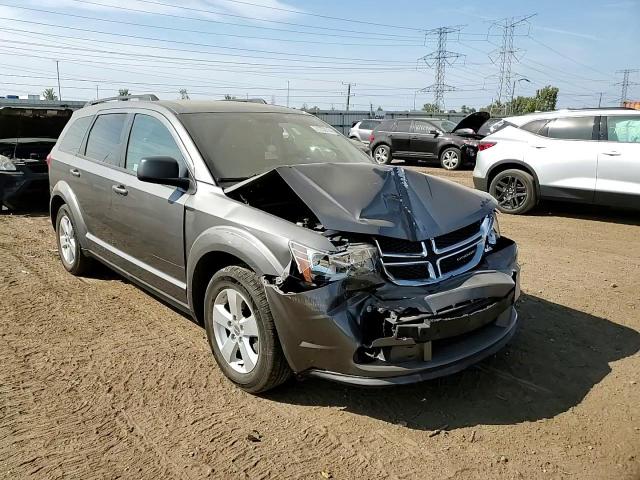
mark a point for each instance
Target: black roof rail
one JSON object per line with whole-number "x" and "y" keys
{"x": 147, "y": 96}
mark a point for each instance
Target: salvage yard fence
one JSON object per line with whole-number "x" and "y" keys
{"x": 342, "y": 120}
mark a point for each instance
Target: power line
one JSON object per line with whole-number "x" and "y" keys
{"x": 186, "y": 30}
{"x": 440, "y": 59}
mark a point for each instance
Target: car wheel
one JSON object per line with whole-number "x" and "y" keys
{"x": 241, "y": 331}
{"x": 73, "y": 260}
{"x": 515, "y": 191}
{"x": 451, "y": 159}
{"x": 382, "y": 154}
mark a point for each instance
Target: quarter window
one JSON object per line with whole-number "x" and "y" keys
{"x": 402, "y": 126}
{"x": 150, "y": 138}
{"x": 623, "y": 128}
{"x": 534, "y": 126}
{"x": 105, "y": 139}
{"x": 72, "y": 140}
{"x": 571, "y": 128}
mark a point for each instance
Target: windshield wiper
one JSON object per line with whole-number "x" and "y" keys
{"x": 233, "y": 179}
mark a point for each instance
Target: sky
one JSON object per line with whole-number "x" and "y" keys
{"x": 304, "y": 52}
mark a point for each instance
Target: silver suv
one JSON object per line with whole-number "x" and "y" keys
{"x": 295, "y": 252}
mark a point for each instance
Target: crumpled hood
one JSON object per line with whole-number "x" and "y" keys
{"x": 384, "y": 200}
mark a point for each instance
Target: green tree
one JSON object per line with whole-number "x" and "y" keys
{"x": 467, "y": 110}
{"x": 546, "y": 98}
{"x": 184, "y": 95}
{"x": 229, "y": 97}
{"x": 123, "y": 92}
{"x": 430, "y": 107}
{"x": 49, "y": 94}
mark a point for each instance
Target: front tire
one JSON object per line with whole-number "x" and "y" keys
{"x": 515, "y": 191}
{"x": 241, "y": 331}
{"x": 382, "y": 154}
{"x": 451, "y": 158}
{"x": 69, "y": 250}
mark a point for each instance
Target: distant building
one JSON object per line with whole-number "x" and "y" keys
{"x": 635, "y": 104}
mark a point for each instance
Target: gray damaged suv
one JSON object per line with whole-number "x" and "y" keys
{"x": 295, "y": 252}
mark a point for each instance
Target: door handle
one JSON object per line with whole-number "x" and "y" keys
{"x": 612, "y": 153}
{"x": 120, "y": 190}
{"x": 75, "y": 172}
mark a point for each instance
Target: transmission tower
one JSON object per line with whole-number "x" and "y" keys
{"x": 440, "y": 59}
{"x": 506, "y": 54}
{"x": 625, "y": 83}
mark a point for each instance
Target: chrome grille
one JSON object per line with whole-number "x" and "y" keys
{"x": 435, "y": 259}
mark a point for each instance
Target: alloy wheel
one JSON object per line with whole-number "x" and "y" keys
{"x": 450, "y": 160}
{"x": 68, "y": 241}
{"x": 236, "y": 330}
{"x": 381, "y": 155}
{"x": 511, "y": 192}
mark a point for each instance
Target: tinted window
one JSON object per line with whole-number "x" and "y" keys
{"x": 624, "y": 128}
{"x": 385, "y": 126}
{"x": 420, "y": 126}
{"x": 535, "y": 126}
{"x": 493, "y": 125}
{"x": 444, "y": 125}
{"x": 73, "y": 138}
{"x": 403, "y": 125}
{"x": 571, "y": 128}
{"x": 149, "y": 138}
{"x": 366, "y": 125}
{"x": 105, "y": 138}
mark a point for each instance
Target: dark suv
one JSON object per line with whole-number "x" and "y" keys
{"x": 428, "y": 139}
{"x": 294, "y": 250}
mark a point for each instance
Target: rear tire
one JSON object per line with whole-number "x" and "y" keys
{"x": 237, "y": 311}
{"x": 382, "y": 154}
{"x": 451, "y": 158}
{"x": 69, "y": 250}
{"x": 515, "y": 191}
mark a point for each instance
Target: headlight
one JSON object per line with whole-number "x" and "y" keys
{"x": 321, "y": 267}
{"x": 494, "y": 230}
{"x": 6, "y": 164}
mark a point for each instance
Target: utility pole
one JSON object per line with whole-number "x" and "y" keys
{"x": 440, "y": 59}
{"x": 348, "y": 93}
{"x": 506, "y": 54}
{"x": 600, "y": 100}
{"x": 287, "y": 93}
{"x": 58, "y": 72}
{"x": 625, "y": 83}
{"x": 97, "y": 93}
{"x": 513, "y": 90}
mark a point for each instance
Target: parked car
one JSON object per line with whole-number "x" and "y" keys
{"x": 588, "y": 156}
{"x": 28, "y": 135}
{"x": 362, "y": 129}
{"x": 428, "y": 139}
{"x": 296, "y": 252}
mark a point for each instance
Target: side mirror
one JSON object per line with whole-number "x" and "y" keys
{"x": 435, "y": 133}
{"x": 161, "y": 170}
{"x": 465, "y": 131}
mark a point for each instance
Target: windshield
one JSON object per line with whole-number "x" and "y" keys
{"x": 444, "y": 125}
{"x": 239, "y": 145}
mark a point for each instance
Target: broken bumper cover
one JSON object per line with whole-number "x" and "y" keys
{"x": 383, "y": 334}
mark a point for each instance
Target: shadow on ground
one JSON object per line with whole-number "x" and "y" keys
{"x": 555, "y": 359}
{"x": 595, "y": 213}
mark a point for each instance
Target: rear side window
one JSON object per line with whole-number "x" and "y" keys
{"x": 535, "y": 126}
{"x": 72, "y": 140}
{"x": 420, "y": 126}
{"x": 402, "y": 126}
{"x": 623, "y": 128}
{"x": 365, "y": 125}
{"x": 571, "y": 128}
{"x": 105, "y": 139}
{"x": 150, "y": 138}
{"x": 385, "y": 126}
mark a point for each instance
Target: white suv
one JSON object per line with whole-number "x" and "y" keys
{"x": 588, "y": 155}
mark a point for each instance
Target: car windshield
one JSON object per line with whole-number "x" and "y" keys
{"x": 240, "y": 145}
{"x": 444, "y": 125}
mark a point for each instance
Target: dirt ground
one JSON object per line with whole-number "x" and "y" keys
{"x": 100, "y": 380}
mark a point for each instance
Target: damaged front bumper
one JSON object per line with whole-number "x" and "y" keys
{"x": 372, "y": 332}
{"x": 23, "y": 185}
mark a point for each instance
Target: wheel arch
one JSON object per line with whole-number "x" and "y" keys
{"x": 503, "y": 165}
{"x": 221, "y": 247}
{"x": 62, "y": 194}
